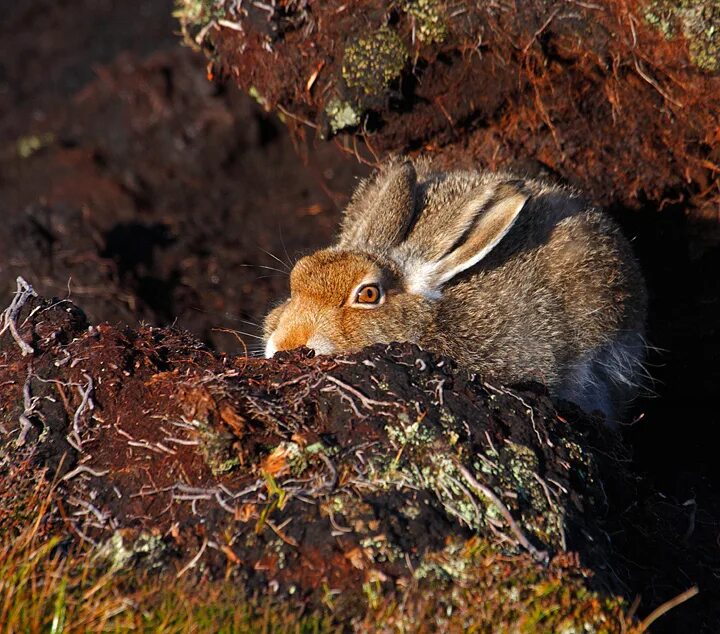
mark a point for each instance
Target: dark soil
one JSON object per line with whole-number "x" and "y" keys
{"x": 296, "y": 475}
{"x": 150, "y": 194}
{"x": 155, "y": 194}
{"x": 598, "y": 94}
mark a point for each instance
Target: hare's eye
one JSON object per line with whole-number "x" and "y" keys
{"x": 368, "y": 294}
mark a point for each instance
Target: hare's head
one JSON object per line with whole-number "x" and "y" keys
{"x": 383, "y": 279}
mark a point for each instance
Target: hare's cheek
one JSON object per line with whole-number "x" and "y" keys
{"x": 273, "y": 319}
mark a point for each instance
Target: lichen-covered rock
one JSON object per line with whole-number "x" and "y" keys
{"x": 372, "y": 62}
{"x": 429, "y": 20}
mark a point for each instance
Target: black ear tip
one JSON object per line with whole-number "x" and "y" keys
{"x": 407, "y": 167}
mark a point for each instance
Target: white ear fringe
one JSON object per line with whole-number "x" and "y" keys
{"x": 448, "y": 275}
{"x": 512, "y": 205}
{"x": 427, "y": 278}
{"x": 421, "y": 279}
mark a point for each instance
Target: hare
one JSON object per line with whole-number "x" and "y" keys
{"x": 515, "y": 278}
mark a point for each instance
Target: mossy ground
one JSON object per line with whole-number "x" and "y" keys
{"x": 699, "y": 23}
{"x": 339, "y": 505}
{"x": 50, "y": 585}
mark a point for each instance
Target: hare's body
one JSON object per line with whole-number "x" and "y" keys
{"x": 516, "y": 279}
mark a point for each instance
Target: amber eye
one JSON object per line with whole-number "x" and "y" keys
{"x": 368, "y": 294}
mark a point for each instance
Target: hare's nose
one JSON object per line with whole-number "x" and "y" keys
{"x": 284, "y": 341}
{"x": 317, "y": 342}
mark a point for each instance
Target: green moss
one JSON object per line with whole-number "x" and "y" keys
{"x": 699, "y": 23}
{"x": 465, "y": 587}
{"x": 259, "y": 99}
{"x": 372, "y": 62}
{"x": 198, "y": 13}
{"x": 217, "y": 450}
{"x": 429, "y": 20}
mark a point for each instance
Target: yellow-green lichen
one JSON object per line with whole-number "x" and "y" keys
{"x": 380, "y": 549}
{"x": 429, "y": 20}
{"x": 198, "y": 13}
{"x": 516, "y": 468}
{"x": 699, "y": 22}
{"x": 452, "y": 563}
{"x": 372, "y": 62}
{"x": 413, "y": 434}
{"x": 259, "y": 99}
{"x": 118, "y": 551}
{"x": 217, "y": 449}
{"x": 196, "y": 18}
{"x": 28, "y": 145}
{"x": 423, "y": 461}
{"x": 341, "y": 115}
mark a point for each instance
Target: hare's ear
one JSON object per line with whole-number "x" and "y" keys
{"x": 381, "y": 210}
{"x": 493, "y": 219}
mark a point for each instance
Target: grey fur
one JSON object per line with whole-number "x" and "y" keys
{"x": 558, "y": 297}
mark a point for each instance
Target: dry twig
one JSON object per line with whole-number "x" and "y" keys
{"x": 541, "y": 556}
{"x": 667, "y": 606}
{"x": 9, "y": 316}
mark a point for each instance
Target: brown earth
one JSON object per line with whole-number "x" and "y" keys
{"x": 620, "y": 98}
{"x": 296, "y": 475}
{"x": 149, "y": 194}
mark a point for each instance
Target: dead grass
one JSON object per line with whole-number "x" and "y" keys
{"x": 50, "y": 585}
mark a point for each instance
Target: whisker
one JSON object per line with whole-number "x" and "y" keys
{"x": 282, "y": 242}
{"x": 240, "y": 332}
{"x": 275, "y": 257}
{"x": 245, "y": 321}
{"x": 230, "y": 316}
{"x": 262, "y": 266}
{"x": 265, "y": 277}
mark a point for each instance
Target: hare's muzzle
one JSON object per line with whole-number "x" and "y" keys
{"x": 292, "y": 333}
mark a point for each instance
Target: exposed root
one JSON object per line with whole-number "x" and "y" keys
{"x": 9, "y": 316}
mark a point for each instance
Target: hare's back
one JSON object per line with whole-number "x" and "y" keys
{"x": 561, "y": 284}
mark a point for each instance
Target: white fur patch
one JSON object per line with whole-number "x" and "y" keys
{"x": 421, "y": 279}
{"x": 608, "y": 377}
{"x": 320, "y": 344}
{"x": 270, "y": 347}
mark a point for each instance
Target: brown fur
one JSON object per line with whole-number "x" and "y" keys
{"x": 558, "y": 295}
